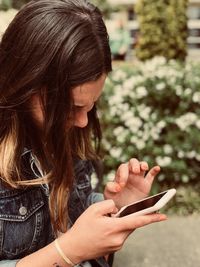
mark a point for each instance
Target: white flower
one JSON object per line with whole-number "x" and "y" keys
{"x": 187, "y": 91}
{"x": 167, "y": 149}
{"x": 154, "y": 116}
{"x": 122, "y": 137}
{"x": 140, "y": 144}
{"x": 146, "y": 136}
{"x": 134, "y": 139}
{"x": 141, "y": 92}
{"x": 154, "y": 133}
{"x": 117, "y": 131}
{"x": 114, "y": 100}
{"x": 115, "y": 152}
{"x": 179, "y": 90}
{"x": 127, "y": 115}
{"x": 161, "y": 178}
{"x": 113, "y": 111}
{"x": 163, "y": 161}
{"x": 140, "y": 134}
{"x": 144, "y": 111}
{"x": 181, "y": 154}
{"x": 150, "y": 66}
{"x": 197, "y": 156}
{"x": 118, "y": 75}
{"x": 125, "y": 107}
{"x": 198, "y": 124}
{"x": 160, "y": 86}
{"x": 128, "y": 85}
{"x": 191, "y": 154}
{"x": 186, "y": 120}
{"x": 161, "y": 73}
{"x": 106, "y": 144}
{"x": 110, "y": 176}
{"x": 161, "y": 124}
{"x": 172, "y": 80}
{"x": 185, "y": 178}
{"x": 196, "y": 97}
{"x": 133, "y": 124}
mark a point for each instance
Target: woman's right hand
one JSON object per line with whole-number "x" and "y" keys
{"x": 95, "y": 234}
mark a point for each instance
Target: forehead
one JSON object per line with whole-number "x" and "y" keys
{"x": 89, "y": 92}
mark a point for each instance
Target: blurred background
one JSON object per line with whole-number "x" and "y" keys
{"x": 150, "y": 109}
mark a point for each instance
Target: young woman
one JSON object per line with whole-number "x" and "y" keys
{"x": 54, "y": 59}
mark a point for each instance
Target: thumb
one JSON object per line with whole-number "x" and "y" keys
{"x": 112, "y": 188}
{"x": 104, "y": 207}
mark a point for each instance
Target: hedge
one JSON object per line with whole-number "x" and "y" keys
{"x": 152, "y": 112}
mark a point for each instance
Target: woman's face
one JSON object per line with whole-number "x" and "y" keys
{"x": 84, "y": 97}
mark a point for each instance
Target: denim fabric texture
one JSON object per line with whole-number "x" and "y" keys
{"x": 25, "y": 225}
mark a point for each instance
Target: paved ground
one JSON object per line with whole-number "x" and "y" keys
{"x": 173, "y": 243}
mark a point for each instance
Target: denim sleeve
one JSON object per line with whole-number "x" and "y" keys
{"x": 94, "y": 198}
{"x": 8, "y": 263}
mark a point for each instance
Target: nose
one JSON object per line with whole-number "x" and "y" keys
{"x": 81, "y": 120}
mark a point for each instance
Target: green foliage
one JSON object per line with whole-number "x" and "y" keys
{"x": 103, "y": 5}
{"x": 152, "y": 112}
{"x": 163, "y": 29}
{"x": 187, "y": 201}
{"x": 5, "y": 5}
{"x": 19, "y": 3}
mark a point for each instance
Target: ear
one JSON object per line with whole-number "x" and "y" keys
{"x": 37, "y": 109}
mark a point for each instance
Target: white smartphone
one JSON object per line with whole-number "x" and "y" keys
{"x": 147, "y": 205}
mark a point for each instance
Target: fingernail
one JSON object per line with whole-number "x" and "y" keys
{"x": 163, "y": 217}
{"x": 117, "y": 188}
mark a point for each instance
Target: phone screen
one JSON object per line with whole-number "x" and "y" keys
{"x": 141, "y": 205}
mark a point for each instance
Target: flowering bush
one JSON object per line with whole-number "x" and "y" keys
{"x": 152, "y": 112}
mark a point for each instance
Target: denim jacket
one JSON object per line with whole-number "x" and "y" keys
{"x": 25, "y": 225}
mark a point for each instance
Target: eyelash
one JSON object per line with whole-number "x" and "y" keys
{"x": 78, "y": 108}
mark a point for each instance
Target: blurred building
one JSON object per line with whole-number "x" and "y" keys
{"x": 128, "y": 15}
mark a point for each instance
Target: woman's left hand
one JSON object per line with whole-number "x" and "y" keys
{"x": 133, "y": 181}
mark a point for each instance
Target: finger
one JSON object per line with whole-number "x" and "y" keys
{"x": 152, "y": 173}
{"x": 112, "y": 187}
{"x": 104, "y": 207}
{"x": 122, "y": 174}
{"x": 144, "y": 167}
{"x": 131, "y": 222}
{"x": 134, "y": 166}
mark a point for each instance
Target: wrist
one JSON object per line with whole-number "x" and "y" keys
{"x": 62, "y": 254}
{"x": 71, "y": 248}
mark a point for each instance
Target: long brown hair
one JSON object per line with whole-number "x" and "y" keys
{"x": 50, "y": 47}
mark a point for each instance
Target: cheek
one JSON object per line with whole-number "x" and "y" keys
{"x": 81, "y": 119}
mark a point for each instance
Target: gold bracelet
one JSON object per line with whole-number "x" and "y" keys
{"x": 61, "y": 253}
